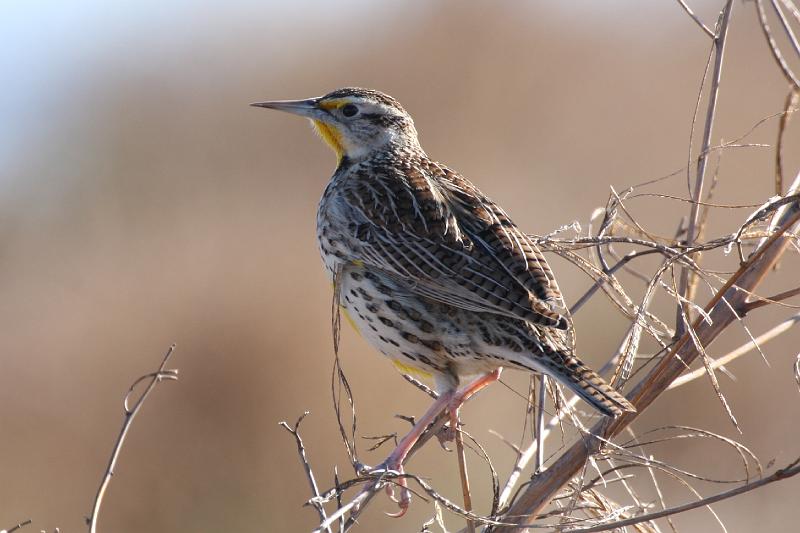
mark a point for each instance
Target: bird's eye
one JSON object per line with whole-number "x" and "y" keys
{"x": 349, "y": 110}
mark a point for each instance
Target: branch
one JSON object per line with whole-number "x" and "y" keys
{"x": 789, "y": 107}
{"x": 357, "y": 505}
{"x": 695, "y": 18}
{"x": 686, "y": 286}
{"x": 797, "y": 369}
{"x": 779, "y": 475}
{"x": 773, "y": 46}
{"x": 721, "y": 310}
{"x": 786, "y": 27}
{"x": 301, "y": 450}
{"x": 462, "y": 470}
{"x": 738, "y": 352}
{"x": 130, "y": 413}
{"x": 18, "y": 526}
{"x": 761, "y": 301}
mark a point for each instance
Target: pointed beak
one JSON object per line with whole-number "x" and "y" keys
{"x": 304, "y": 108}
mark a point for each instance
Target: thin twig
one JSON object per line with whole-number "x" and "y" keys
{"x": 421, "y": 386}
{"x": 789, "y": 4}
{"x": 338, "y": 496}
{"x": 731, "y": 302}
{"x": 687, "y": 281}
{"x": 695, "y": 18}
{"x": 130, "y": 413}
{"x": 301, "y": 450}
{"x": 797, "y": 369}
{"x": 360, "y": 502}
{"x": 462, "y": 470}
{"x": 766, "y": 210}
{"x": 790, "y": 470}
{"x": 627, "y": 351}
{"x": 339, "y": 383}
{"x": 540, "y": 436}
{"x": 611, "y": 271}
{"x": 786, "y": 27}
{"x": 18, "y": 526}
{"x": 762, "y": 301}
{"x": 773, "y": 46}
{"x": 788, "y": 109}
{"x": 738, "y": 352}
{"x": 542, "y": 489}
{"x": 524, "y": 456}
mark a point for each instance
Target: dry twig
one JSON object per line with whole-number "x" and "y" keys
{"x": 18, "y": 526}
{"x": 301, "y": 450}
{"x": 614, "y": 254}
{"x": 792, "y": 469}
{"x": 152, "y": 379}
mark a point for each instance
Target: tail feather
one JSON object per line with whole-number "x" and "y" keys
{"x": 587, "y": 384}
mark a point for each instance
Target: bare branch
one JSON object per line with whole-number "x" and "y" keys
{"x": 685, "y": 287}
{"x": 540, "y": 436}
{"x": 762, "y": 301}
{"x": 301, "y": 450}
{"x": 462, "y": 470}
{"x": 542, "y": 489}
{"x": 18, "y": 526}
{"x": 786, "y": 27}
{"x": 773, "y": 46}
{"x": 738, "y": 352}
{"x": 583, "y": 468}
{"x": 695, "y": 18}
{"x": 790, "y": 470}
{"x": 789, "y": 108}
{"x": 421, "y": 386}
{"x": 797, "y": 369}
{"x": 339, "y": 383}
{"x": 130, "y": 413}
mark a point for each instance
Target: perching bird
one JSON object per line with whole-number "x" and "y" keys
{"x": 432, "y": 272}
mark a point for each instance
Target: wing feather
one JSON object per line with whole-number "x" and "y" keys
{"x": 433, "y": 230}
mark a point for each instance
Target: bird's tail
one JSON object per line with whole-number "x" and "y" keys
{"x": 587, "y": 384}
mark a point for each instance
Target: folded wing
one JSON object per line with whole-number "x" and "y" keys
{"x": 437, "y": 233}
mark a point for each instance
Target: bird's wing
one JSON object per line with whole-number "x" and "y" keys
{"x": 436, "y": 232}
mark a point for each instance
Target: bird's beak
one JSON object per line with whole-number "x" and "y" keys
{"x": 304, "y": 108}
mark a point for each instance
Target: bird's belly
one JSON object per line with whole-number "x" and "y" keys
{"x": 412, "y": 331}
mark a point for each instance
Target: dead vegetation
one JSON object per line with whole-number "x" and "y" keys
{"x": 631, "y": 266}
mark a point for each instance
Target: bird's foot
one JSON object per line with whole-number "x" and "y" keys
{"x": 448, "y": 432}
{"x": 391, "y": 475}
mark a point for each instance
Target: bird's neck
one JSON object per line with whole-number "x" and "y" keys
{"x": 397, "y": 148}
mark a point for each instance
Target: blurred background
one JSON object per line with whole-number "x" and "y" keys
{"x": 142, "y": 202}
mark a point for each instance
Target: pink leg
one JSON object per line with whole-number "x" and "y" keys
{"x": 398, "y": 456}
{"x": 406, "y": 443}
{"x": 465, "y": 394}
{"x": 451, "y": 401}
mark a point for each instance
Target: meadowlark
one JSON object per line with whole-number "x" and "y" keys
{"x": 432, "y": 272}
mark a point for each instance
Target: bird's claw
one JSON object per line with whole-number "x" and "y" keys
{"x": 445, "y": 435}
{"x": 396, "y": 470}
{"x": 403, "y": 501}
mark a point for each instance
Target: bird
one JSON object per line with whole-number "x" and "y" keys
{"x": 432, "y": 272}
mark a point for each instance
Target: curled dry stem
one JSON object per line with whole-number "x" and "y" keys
{"x": 130, "y": 413}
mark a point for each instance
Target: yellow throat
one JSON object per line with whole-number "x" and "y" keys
{"x": 331, "y": 136}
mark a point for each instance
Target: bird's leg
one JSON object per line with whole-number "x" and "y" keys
{"x": 394, "y": 462}
{"x": 465, "y": 394}
{"x": 450, "y": 401}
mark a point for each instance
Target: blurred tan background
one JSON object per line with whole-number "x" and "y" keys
{"x": 143, "y": 202}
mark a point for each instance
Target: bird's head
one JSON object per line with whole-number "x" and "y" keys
{"x": 353, "y": 121}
